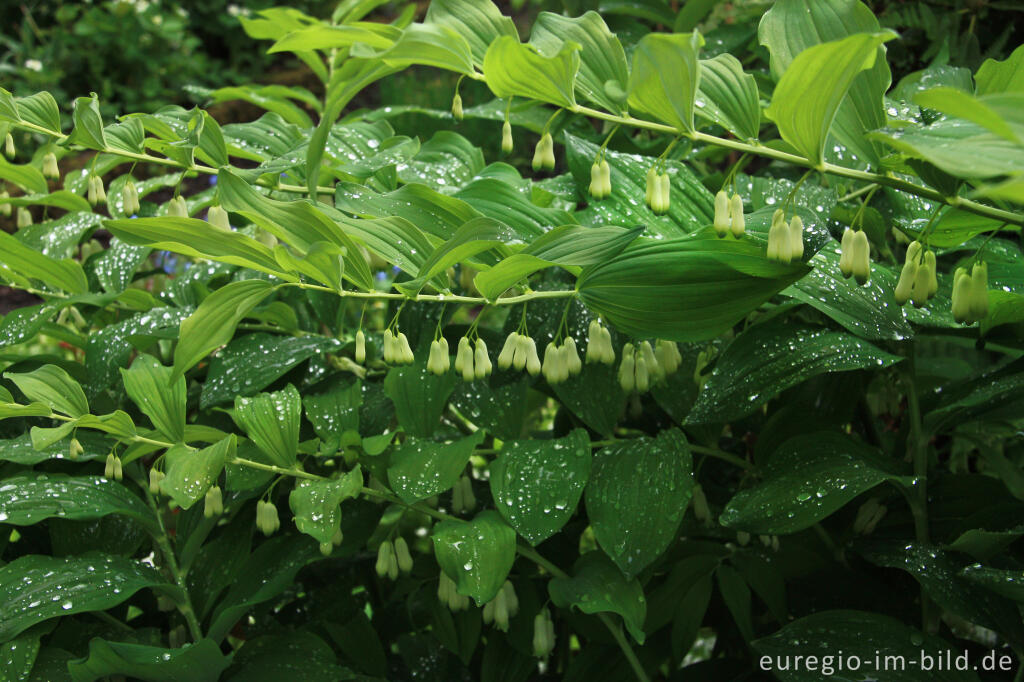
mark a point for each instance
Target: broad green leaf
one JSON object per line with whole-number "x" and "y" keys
{"x": 297, "y": 223}
{"x": 88, "y": 130}
{"x": 870, "y": 311}
{"x": 59, "y": 199}
{"x": 27, "y": 177}
{"x": 42, "y": 438}
{"x": 994, "y": 395}
{"x": 30, "y": 498}
{"x": 767, "y": 359}
{"x": 478, "y": 235}
{"x": 63, "y": 275}
{"x": 419, "y": 396}
{"x": 126, "y": 136}
{"x": 39, "y": 109}
{"x": 190, "y": 473}
{"x": 477, "y": 555}
{"x": 325, "y": 37}
{"x": 1006, "y": 76}
{"x": 196, "y": 238}
{"x": 21, "y": 451}
{"x": 512, "y": 205}
{"x": 1004, "y": 307}
{"x": 860, "y": 635}
{"x": 736, "y": 595}
{"x": 149, "y": 385}
{"x": 480, "y": 22}
{"x": 494, "y": 282}
{"x": 252, "y": 362}
{"x": 666, "y": 76}
{"x": 807, "y": 479}
{"x": 213, "y": 323}
{"x": 421, "y": 468}
{"x": 117, "y": 423}
{"x": 597, "y": 586}
{"x": 111, "y": 347}
{"x": 594, "y": 395}
{"x": 499, "y": 408}
{"x": 808, "y": 95}
{"x": 277, "y": 656}
{"x": 792, "y": 26}
{"x": 536, "y": 484}
{"x": 18, "y": 656}
{"x": 53, "y": 387}
{"x": 427, "y": 44}
{"x": 36, "y": 588}
{"x": 1006, "y": 582}
{"x": 517, "y": 69}
{"x": 602, "y": 59}
{"x": 1000, "y": 114}
{"x": 436, "y": 214}
{"x": 316, "y": 504}
{"x": 692, "y": 206}
{"x": 962, "y": 149}
{"x": 575, "y": 245}
{"x": 661, "y": 288}
{"x": 272, "y": 421}
{"x": 334, "y": 413}
{"x": 729, "y": 97}
{"x": 638, "y": 491}
{"x": 200, "y": 661}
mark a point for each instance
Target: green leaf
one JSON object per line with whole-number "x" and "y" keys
{"x": 30, "y": 498}
{"x": 419, "y": 396}
{"x": 427, "y": 44}
{"x": 476, "y": 236}
{"x": 1005, "y": 582}
{"x": 516, "y": 69}
{"x": 422, "y": 468}
{"x": 962, "y": 149}
{"x": 20, "y": 450}
{"x": 213, "y": 323}
{"x": 498, "y": 409}
{"x": 53, "y": 387}
{"x": 595, "y": 396}
{"x": 807, "y": 479}
{"x": 692, "y": 206}
{"x": 736, "y": 596}
{"x": 196, "y": 238}
{"x": 807, "y": 97}
{"x": 325, "y": 37}
{"x": 335, "y": 412}
{"x": 27, "y": 177}
{"x": 252, "y": 362}
{"x": 638, "y": 491}
{"x": 36, "y": 588}
{"x": 480, "y": 22}
{"x": 316, "y": 504}
{"x": 200, "y": 661}
{"x": 596, "y": 586}
{"x": 190, "y": 473}
{"x": 792, "y": 26}
{"x": 277, "y": 656}
{"x": 1005, "y": 76}
{"x": 272, "y": 421}
{"x": 767, "y": 359}
{"x": 999, "y": 114}
{"x": 660, "y": 288}
{"x": 435, "y": 213}
{"x": 148, "y": 383}
{"x": 18, "y": 656}
{"x": 666, "y": 76}
{"x": 504, "y": 201}
{"x": 127, "y": 136}
{"x": 64, "y": 275}
{"x": 477, "y": 554}
{"x": 536, "y": 484}
{"x": 602, "y": 58}
{"x": 62, "y": 198}
{"x": 729, "y": 97}
{"x": 39, "y": 109}
{"x": 88, "y": 130}
{"x": 860, "y": 635}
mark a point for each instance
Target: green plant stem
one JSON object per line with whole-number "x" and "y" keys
{"x": 163, "y": 542}
{"x": 832, "y": 169}
{"x": 722, "y": 455}
{"x": 857, "y": 192}
{"x": 918, "y": 450}
{"x": 437, "y": 298}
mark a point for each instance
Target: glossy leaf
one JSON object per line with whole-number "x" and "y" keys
{"x": 596, "y": 586}
{"x": 63, "y": 275}
{"x": 536, "y": 484}
{"x": 149, "y": 385}
{"x": 809, "y": 478}
{"x": 728, "y": 96}
{"x": 427, "y": 44}
{"x": 422, "y": 468}
{"x": 190, "y": 473}
{"x": 478, "y": 21}
{"x": 54, "y": 387}
{"x": 666, "y": 76}
{"x": 636, "y": 497}
{"x": 761, "y": 363}
{"x": 316, "y": 504}
{"x": 477, "y": 555}
{"x": 419, "y": 396}
{"x": 201, "y": 661}
{"x": 272, "y": 421}
{"x": 1001, "y": 76}
{"x": 88, "y": 130}
{"x": 517, "y": 69}
{"x": 30, "y": 498}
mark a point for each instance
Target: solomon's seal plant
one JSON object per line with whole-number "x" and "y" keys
{"x": 357, "y": 393}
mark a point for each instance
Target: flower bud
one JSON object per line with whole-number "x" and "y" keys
{"x": 75, "y": 450}
{"x": 389, "y": 346}
{"x": 961, "y": 296}
{"x": 544, "y": 153}
{"x": 457, "y": 107}
{"x": 701, "y": 510}
{"x": 661, "y": 199}
{"x": 606, "y": 178}
{"x": 979, "y": 291}
{"x": 177, "y": 207}
{"x": 521, "y": 352}
{"x": 337, "y": 538}
{"x": 5, "y": 207}
{"x": 130, "y": 198}
{"x": 360, "y": 347}
{"x": 506, "y": 137}
{"x": 743, "y": 538}
{"x": 402, "y": 555}
{"x": 643, "y": 377}
{"x": 218, "y": 217}
{"x": 439, "y": 361}
{"x": 481, "y": 360}
{"x": 97, "y": 189}
{"x": 846, "y": 253}
{"x": 550, "y": 360}
{"x": 50, "y": 168}
{"x": 468, "y": 498}
{"x": 326, "y": 548}
{"x": 654, "y": 369}
{"x": 214, "y": 503}
{"x": 865, "y": 513}
{"x": 385, "y": 553}
{"x": 933, "y": 279}
{"x": 464, "y": 359}
{"x": 778, "y": 238}
{"x": 737, "y": 225}
{"x": 532, "y": 360}
{"x": 24, "y": 217}
{"x": 543, "y": 634}
{"x": 861, "y": 259}
{"x": 155, "y": 478}
{"x": 501, "y": 613}
{"x": 508, "y": 351}
{"x": 9, "y": 146}
{"x": 112, "y": 468}
{"x": 796, "y": 238}
{"x": 406, "y": 356}
{"x": 572, "y": 357}
{"x": 721, "y": 223}
{"x": 905, "y": 285}
{"x": 627, "y": 370}
{"x": 652, "y": 186}
{"x": 596, "y": 184}
{"x": 919, "y": 292}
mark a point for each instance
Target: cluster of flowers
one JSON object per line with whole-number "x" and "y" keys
{"x": 600, "y": 179}
{"x": 918, "y": 279}
{"x": 471, "y": 360}
{"x": 543, "y": 634}
{"x": 785, "y": 240}
{"x": 544, "y": 153}
{"x": 396, "y": 349}
{"x": 448, "y": 595}
{"x": 855, "y": 256}
{"x": 505, "y": 605}
{"x": 267, "y": 520}
{"x": 112, "y": 468}
{"x": 729, "y": 216}
{"x": 645, "y": 365}
{"x": 970, "y": 294}
{"x": 393, "y": 557}
{"x": 658, "y": 196}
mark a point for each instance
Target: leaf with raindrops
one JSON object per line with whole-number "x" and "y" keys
{"x": 421, "y": 468}
{"x": 189, "y": 473}
{"x": 316, "y": 504}
{"x": 200, "y": 661}
{"x": 34, "y": 497}
{"x": 536, "y": 484}
{"x": 272, "y": 421}
{"x": 477, "y": 555}
{"x": 596, "y": 586}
